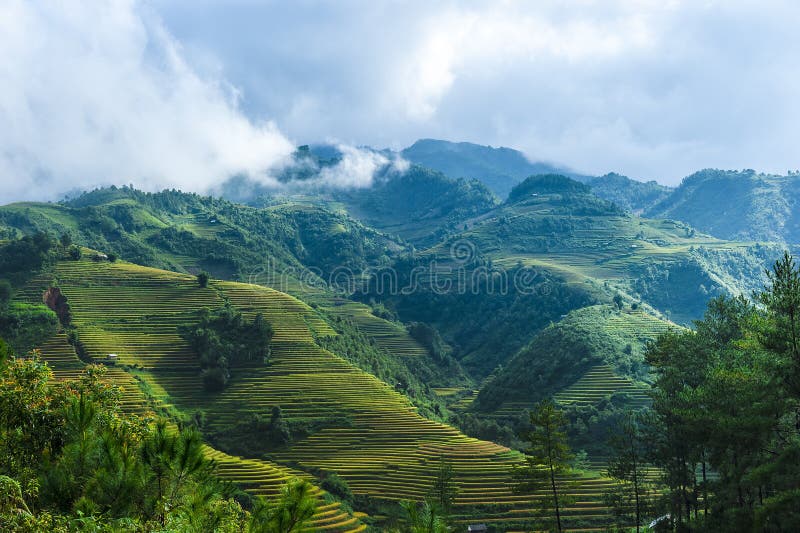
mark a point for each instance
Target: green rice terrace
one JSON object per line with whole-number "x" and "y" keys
{"x": 365, "y": 431}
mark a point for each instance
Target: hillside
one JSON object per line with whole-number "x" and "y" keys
{"x": 188, "y": 233}
{"x": 302, "y": 249}
{"x": 498, "y": 168}
{"x": 559, "y": 357}
{"x": 348, "y": 421}
{"x": 737, "y": 205}
{"x": 420, "y": 205}
{"x": 554, "y": 247}
{"x": 632, "y": 195}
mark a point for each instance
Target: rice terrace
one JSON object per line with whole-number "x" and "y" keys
{"x": 247, "y": 285}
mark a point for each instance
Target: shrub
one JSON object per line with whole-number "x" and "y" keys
{"x": 75, "y": 253}
{"x": 202, "y": 279}
{"x": 337, "y": 486}
{"x": 215, "y": 379}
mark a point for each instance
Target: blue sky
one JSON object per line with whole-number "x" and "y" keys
{"x": 184, "y": 93}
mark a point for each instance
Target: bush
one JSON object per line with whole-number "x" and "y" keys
{"x": 337, "y": 486}
{"x": 202, "y": 279}
{"x": 75, "y": 253}
{"x": 5, "y": 294}
{"x": 215, "y": 379}
{"x": 112, "y": 257}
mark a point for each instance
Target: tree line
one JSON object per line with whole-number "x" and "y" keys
{"x": 719, "y": 450}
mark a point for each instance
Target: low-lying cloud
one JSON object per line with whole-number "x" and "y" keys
{"x": 96, "y": 93}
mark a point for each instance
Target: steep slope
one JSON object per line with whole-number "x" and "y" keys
{"x": 629, "y": 194}
{"x": 561, "y": 355}
{"x": 499, "y": 168}
{"x": 255, "y": 476}
{"x": 303, "y": 249}
{"x": 359, "y": 427}
{"x": 739, "y": 205}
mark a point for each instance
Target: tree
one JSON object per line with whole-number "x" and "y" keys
{"x": 75, "y": 253}
{"x": 5, "y": 294}
{"x": 291, "y": 513}
{"x": 548, "y": 456}
{"x": 424, "y": 517}
{"x": 444, "y": 490}
{"x": 65, "y": 240}
{"x": 618, "y": 302}
{"x": 630, "y": 497}
{"x": 202, "y": 279}
{"x": 112, "y": 257}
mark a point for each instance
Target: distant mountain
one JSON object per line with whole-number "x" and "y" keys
{"x": 738, "y": 205}
{"x": 499, "y": 168}
{"x": 632, "y": 195}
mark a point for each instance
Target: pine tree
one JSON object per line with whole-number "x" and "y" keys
{"x": 546, "y": 459}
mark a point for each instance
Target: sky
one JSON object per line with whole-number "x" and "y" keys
{"x": 186, "y": 93}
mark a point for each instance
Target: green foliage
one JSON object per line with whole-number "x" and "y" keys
{"x": 632, "y": 195}
{"x": 25, "y": 326}
{"x": 486, "y": 320}
{"x": 632, "y": 498}
{"x": 739, "y": 205}
{"x": 336, "y": 485}
{"x": 202, "y": 279}
{"x": 413, "y": 376}
{"x": 420, "y": 205}
{"x": 559, "y": 355}
{"x": 429, "y": 338}
{"x": 6, "y": 292}
{"x": 444, "y": 489}
{"x": 70, "y": 458}
{"x": 547, "y": 184}
{"x": 547, "y": 457}
{"x": 75, "y": 253}
{"x": 424, "y": 517}
{"x": 20, "y": 258}
{"x": 223, "y": 339}
{"x": 289, "y": 514}
{"x": 741, "y": 365}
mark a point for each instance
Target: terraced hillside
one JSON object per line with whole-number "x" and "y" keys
{"x": 591, "y": 354}
{"x": 601, "y": 382}
{"x": 368, "y": 433}
{"x": 257, "y": 477}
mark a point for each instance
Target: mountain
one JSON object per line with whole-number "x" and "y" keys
{"x": 632, "y": 195}
{"x": 554, "y": 247}
{"x": 499, "y": 168}
{"x": 420, "y": 205}
{"x": 737, "y": 205}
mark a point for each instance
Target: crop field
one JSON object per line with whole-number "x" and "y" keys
{"x": 601, "y": 382}
{"x": 371, "y": 436}
{"x": 257, "y": 477}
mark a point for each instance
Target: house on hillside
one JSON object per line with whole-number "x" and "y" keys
{"x": 476, "y": 527}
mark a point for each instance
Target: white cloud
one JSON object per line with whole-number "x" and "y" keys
{"x": 650, "y": 88}
{"x": 99, "y": 92}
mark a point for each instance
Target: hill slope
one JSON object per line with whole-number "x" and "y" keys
{"x": 631, "y": 195}
{"x": 358, "y": 426}
{"x": 564, "y": 248}
{"x": 738, "y": 205}
{"x": 499, "y": 168}
{"x": 561, "y": 354}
